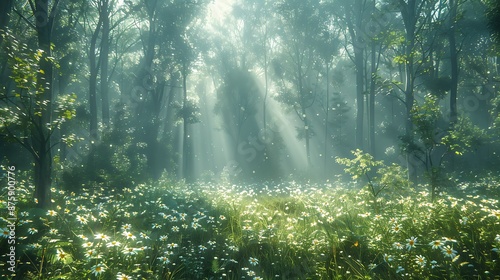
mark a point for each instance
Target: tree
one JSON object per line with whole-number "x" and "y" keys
{"x": 24, "y": 111}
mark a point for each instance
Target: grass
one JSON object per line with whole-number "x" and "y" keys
{"x": 285, "y": 230}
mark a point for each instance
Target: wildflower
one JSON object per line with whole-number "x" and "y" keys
{"x": 129, "y": 235}
{"x": 251, "y": 273}
{"x": 126, "y": 227}
{"x": 395, "y": 228}
{"x": 5, "y": 232}
{"x": 247, "y": 227}
{"x": 448, "y": 239}
{"x": 222, "y": 217}
{"x": 463, "y": 221}
{"x": 388, "y": 258}
{"x": 101, "y": 236}
{"x": 121, "y": 276}
{"x": 143, "y": 235}
{"x": 202, "y": 248}
{"x": 81, "y": 219}
{"x": 420, "y": 260}
{"x": 113, "y": 243}
{"x": 434, "y": 264}
{"x": 497, "y": 238}
{"x": 175, "y": 229}
{"x": 253, "y": 261}
{"x": 53, "y": 231}
{"x": 436, "y": 244}
{"x": 90, "y": 253}
{"x": 82, "y": 237}
{"x": 32, "y": 230}
{"x": 155, "y": 225}
{"x": 164, "y": 260}
{"x": 60, "y": 254}
{"x": 98, "y": 269}
{"x": 258, "y": 278}
{"x": 195, "y": 225}
{"x": 412, "y": 242}
{"x": 397, "y": 245}
{"x": 51, "y": 213}
{"x": 172, "y": 245}
{"x": 129, "y": 251}
{"x": 449, "y": 252}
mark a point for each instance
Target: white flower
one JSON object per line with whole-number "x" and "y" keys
{"x": 253, "y": 261}
{"x": 98, "y": 269}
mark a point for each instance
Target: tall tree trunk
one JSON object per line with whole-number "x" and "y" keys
{"x": 94, "y": 70}
{"x": 325, "y": 160}
{"x": 373, "y": 73}
{"x": 359, "y": 65}
{"x": 5, "y": 8}
{"x": 454, "y": 63}
{"x": 104, "y": 61}
{"x": 186, "y": 143}
{"x": 408, "y": 11}
{"x": 41, "y": 133}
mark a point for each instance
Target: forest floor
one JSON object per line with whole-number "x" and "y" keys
{"x": 287, "y": 230}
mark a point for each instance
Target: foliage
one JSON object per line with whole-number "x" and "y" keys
{"x": 288, "y": 230}
{"x": 379, "y": 177}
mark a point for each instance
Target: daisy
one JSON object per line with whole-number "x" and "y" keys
{"x": 5, "y": 232}
{"x": 164, "y": 260}
{"x": 32, "y": 230}
{"x": 436, "y": 244}
{"x": 113, "y": 243}
{"x": 129, "y": 251}
{"x": 81, "y": 219}
{"x": 98, "y": 269}
{"x": 101, "y": 236}
{"x": 412, "y": 242}
{"x": 60, "y": 254}
{"x": 121, "y": 276}
{"x": 449, "y": 252}
{"x": 51, "y": 213}
{"x": 253, "y": 261}
{"x": 420, "y": 260}
{"x": 129, "y": 235}
{"x": 91, "y": 253}
{"x": 126, "y": 227}
{"x": 395, "y": 228}
{"x": 397, "y": 245}
{"x": 172, "y": 245}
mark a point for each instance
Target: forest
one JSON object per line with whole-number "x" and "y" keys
{"x": 250, "y": 139}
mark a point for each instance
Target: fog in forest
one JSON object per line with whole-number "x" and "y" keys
{"x": 340, "y": 124}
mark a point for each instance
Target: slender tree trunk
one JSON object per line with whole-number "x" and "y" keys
{"x": 454, "y": 63}
{"x": 41, "y": 133}
{"x": 359, "y": 65}
{"x": 104, "y": 61}
{"x": 5, "y": 8}
{"x": 409, "y": 18}
{"x": 93, "y": 130}
{"x": 186, "y": 143}
{"x": 373, "y": 73}
{"x": 325, "y": 160}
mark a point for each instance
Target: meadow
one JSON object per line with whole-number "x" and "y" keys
{"x": 270, "y": 230}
